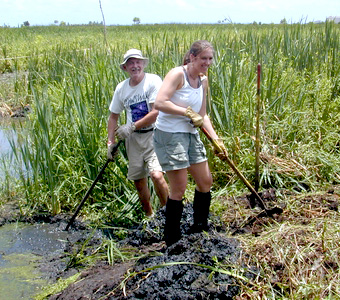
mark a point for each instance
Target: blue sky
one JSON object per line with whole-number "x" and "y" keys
{"x": 121, "y": 12}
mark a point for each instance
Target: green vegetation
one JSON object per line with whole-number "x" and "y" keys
{"x": 60, "y": 285}
{"x": 67, "y": 74}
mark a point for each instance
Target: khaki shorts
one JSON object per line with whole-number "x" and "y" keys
{"x": 141, "y": 154}
{"x": 178, "y": 150}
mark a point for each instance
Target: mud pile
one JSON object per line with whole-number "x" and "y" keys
{"x": 193, "y": 268}
{"x": 185, "y": 271}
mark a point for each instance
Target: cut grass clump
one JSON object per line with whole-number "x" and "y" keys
{"x": 298, "y": 258}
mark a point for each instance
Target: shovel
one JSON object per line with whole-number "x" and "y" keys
{"x": 268, "y": 212}
{"x": 114, "y": 150}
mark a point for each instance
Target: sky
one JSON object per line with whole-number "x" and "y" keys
{"x": 14, "y": 13}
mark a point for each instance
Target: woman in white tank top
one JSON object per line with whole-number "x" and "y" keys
{"x": 181, "y": 103}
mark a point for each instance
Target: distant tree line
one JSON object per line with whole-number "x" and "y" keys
{"x": 62, "y": 23}
{"x": 137, "y": 21}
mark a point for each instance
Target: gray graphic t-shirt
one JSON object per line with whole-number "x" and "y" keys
{"x": 136, "y": 100}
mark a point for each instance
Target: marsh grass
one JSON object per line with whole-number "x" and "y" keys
{"x": 71, "y": 76}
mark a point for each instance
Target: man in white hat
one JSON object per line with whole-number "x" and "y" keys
{"x": 136, "y": 96}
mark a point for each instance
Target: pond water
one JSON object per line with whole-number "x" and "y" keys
{"x": 22, "y": 246}
{"x": 4, "y": 143}
{"x": 8, "y": 163}
{"x": 20, "y": 250}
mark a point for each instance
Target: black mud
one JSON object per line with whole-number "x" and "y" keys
{"x": 193, "y": 268}
{"x": 204, "y": 265}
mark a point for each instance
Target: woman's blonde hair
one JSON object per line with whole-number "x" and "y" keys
{"x": 196, "y": 48}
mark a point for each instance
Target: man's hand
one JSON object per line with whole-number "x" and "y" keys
{"x": 219, "y": 148}
{"x": 112, "y": 151}
{"x": 125, "y": 131}
{"x": 196, "y": 119}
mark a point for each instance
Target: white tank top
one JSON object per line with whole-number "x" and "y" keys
{"x": 184, "y": 97}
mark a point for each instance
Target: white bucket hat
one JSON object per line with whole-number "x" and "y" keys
{"x": 133, "y": 53}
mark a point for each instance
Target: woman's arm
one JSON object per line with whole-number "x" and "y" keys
{"x": 172, "y": 82}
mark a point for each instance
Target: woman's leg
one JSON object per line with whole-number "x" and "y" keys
{"x": 178, "y": 183}
{"x": 202, "y": 198}
{"x": 202, "y": 176}
{"x": 174, "y": 206}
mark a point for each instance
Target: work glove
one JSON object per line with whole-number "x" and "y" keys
{"x": 125, "y": 131}
{"x": 112, "y": 151}
{"x": 219, "y": 149}
{"x": 196, "y": 119}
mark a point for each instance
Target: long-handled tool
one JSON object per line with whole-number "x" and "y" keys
{"x": 114, "y": 150}
{"x": 257, "y": 133}
{"x": 269, "y": 212}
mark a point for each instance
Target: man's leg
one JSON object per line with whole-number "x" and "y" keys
{"x": 144, "y": 195}
{"x": 161, "y": 187}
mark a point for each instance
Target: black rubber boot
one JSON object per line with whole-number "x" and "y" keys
{"x": 201, "y": 211}
{"x": 173, "y": 215}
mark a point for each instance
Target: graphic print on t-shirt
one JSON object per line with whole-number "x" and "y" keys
{"x": 139, "y": 110}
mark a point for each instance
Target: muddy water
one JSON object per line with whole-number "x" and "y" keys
{"x": 22, "y": 246}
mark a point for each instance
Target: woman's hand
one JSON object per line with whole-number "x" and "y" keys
{"x": 196, "y": 119}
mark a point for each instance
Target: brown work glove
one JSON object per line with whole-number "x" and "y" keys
{"x": 219, "y": 149}
{"x": 112, "y": 151}
{"x": 196, "y": 119}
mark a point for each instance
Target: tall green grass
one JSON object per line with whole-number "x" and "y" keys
{"x": 72, "y": 76}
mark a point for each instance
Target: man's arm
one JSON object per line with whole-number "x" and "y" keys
{"x": 111, "y": 128}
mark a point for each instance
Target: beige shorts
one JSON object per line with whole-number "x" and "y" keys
{"x": 141, "y": 154}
